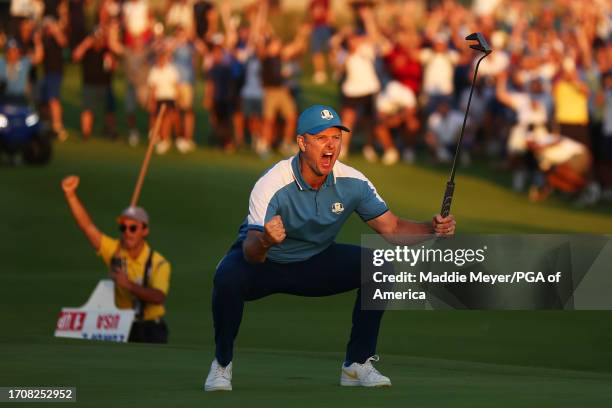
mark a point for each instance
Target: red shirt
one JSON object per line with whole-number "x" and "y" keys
{"x": 319, "y": 10}
{"x": 404, "y": 68}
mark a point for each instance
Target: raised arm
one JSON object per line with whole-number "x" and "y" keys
{"x": 69, "y": 185}
{"x": 257, "y": 23}
{"x": 297, "y": 46}
{"x": 231, "y": 31}
{"x": 38, "y": 53}
{"x": 113, "y": 39}
{"x": 373, "y": 30}
{"x": 56, "y": 30}
{"x": 501, "y": 91}
{"x": 82, "y": 48}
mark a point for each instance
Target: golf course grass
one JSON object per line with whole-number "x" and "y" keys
{"x": 289, "y": 349}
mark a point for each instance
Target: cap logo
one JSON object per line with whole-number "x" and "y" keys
{"x": 326, "y": 114}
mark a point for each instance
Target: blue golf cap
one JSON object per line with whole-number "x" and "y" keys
{"x": 317, "y": 118}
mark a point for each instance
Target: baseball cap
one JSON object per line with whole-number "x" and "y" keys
{"x": 317, "y": 118}
{"x": 134, "y": 213}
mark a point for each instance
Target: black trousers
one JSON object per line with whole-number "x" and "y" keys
{"x": 149, "y": 331}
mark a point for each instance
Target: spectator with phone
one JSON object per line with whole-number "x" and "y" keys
{"x": 141, "y": 274}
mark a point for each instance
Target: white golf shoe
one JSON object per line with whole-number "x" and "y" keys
{"x": 363, "y": 375}
{"x": 219, "y": 378}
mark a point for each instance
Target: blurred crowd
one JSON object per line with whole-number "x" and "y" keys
{"x": 541, "y": 106}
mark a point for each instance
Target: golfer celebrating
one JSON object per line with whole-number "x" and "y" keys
{"x": 286, "y": 245}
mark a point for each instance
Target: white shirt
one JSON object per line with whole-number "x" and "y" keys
{"x": 26, "y": 8}
{"x": 494, "y": 64}
{"x": 447, "y": 127}
{"x": 165, "y": 81}
{"x": 394, "y": 98}
{"x": 439, "y": 69}
{"x": 560, "y": 152}
{"x": 136, "y": 16}
{"x": 361, "y": 78}
{"x": 527, "y": 113}
{"x": 485, "y": 7}
{"x": 180, "y": 15}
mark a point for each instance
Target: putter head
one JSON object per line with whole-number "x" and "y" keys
{"x": 482, "y": 46}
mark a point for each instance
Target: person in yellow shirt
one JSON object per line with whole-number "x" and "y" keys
{"x": 570, "y": 95}
{"x": 141, "y": 275}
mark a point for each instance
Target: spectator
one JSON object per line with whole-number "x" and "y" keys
{"x": 277, "y": 95}
{"x": 395, "y": 105}
{"x": 402, "y": 63}
{"x": 109, "y": 11}
{"x": 205, "y": 15}
{"x": 477, "y": 118}
{"x": 252, "y": 98}
{"x": 76, "y": 22}
{"x": 136, "y": 66}
{"x": 141, "y": 274}
{"x": 15, "y": 68}
{"x": 180, "y": 14}
{"x": 321, "y": 17}
{"x": 137, "y": 21}
{"x": 251, "y": 93}
{"x": 54, "y": 42}
{"x": 530, "y": 113}
{"x": 605, "y": 148}
{"x": 443, "y": 128}
{"x": 21, "y": 10}
{"x": 163, "y": 81}
{"x": 25, "y": 41}
{"x": 571, "y": 104}
{"x": 438, "y": 66}
{"x": 184, "y": 54}
{"x": 593, "y": 74}
{"x": 218, "y": 97}
{"x": 565, "y": 163}
{"x": 360, "y": 85}
{"x": 97, "y": 64}
{"x": 234, "y": 42}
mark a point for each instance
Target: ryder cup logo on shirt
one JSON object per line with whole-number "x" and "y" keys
{"x": 337, "y": 208}
{"x": 325, "y": 114}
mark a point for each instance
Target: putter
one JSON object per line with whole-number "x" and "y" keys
{"x": 483, "y": 47}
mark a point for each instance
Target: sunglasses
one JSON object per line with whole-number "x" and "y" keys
{"x": 132, "y": 227}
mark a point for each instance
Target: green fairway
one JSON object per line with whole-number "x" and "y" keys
{"x": 120, "y": 375}
{"x": 289, "y": 348}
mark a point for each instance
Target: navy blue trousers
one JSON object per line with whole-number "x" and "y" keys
{"x": 335, "y": 270}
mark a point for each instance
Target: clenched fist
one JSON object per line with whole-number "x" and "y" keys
{"x": 274, "y": 232}
{"x": 70, "y": 184}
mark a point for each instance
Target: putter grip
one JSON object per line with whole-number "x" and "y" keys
{"x": 448, "y": 199}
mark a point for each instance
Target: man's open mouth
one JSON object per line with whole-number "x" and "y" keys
{"x": 326, "y": 159}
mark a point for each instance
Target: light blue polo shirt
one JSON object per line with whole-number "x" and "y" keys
{"x": 312, "y": 218}
{"x": 16, "y": 77}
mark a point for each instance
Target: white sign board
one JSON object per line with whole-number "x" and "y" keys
{"x": 98, "y": 319}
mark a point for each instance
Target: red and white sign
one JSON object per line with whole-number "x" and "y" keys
{"x": 71, "y": 321}
{"x": 98, "y": 319}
